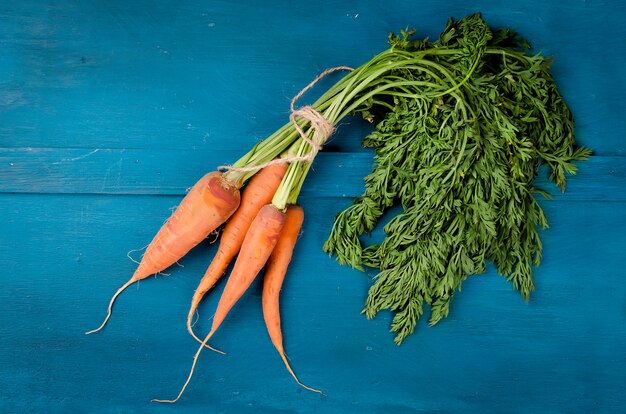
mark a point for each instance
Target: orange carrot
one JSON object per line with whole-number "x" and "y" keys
{"x": 274, "y": 275}
{"x": 257, "y": 193}
{"x": 255, "y": 250}
{"x": 208, "y": 204}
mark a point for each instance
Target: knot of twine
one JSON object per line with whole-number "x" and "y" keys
{"x": 322, "y": 129}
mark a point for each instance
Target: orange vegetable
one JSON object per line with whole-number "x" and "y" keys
{"x": 257, "y": 193}
{"x": 274, "y": 275}
{"x": 210, "y": 202}
{"x": 257, "y": 246}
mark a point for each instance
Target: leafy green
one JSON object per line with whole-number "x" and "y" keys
{"x": 462, "y": 127}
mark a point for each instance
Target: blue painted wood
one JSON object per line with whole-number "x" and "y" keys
{"x": 109, "y": 110}
{"x": 121, "y": 74}
{"x": 172, "y": 172}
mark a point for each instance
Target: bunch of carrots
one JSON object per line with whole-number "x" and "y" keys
{"x": 261, "y": 225}
{"x": 261, "y": 229}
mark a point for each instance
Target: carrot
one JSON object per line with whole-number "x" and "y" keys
{"x": 257, "y": 246}
{"x": 257, "y": 193}
{"x": 274, "y": 275}
{"x": 209, "y": 203}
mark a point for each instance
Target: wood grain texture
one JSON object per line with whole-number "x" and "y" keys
{"x": 171, "y": 172}
{"x": 110, "y": 110}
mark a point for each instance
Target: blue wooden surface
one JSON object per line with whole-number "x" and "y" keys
{"x": 109, "y": 110}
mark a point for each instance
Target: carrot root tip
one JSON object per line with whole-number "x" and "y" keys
{"x": 215, "y": 349}
{"x": 193, "y": 334}
{"x": 293, "y": 374}
{"x": 110, "y": 308}
{"x": 163, "y": 401}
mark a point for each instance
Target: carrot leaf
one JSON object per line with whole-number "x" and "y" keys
{"x": 459, "y": 154}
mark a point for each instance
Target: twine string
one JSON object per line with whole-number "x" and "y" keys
{"x": 322, "y": 128}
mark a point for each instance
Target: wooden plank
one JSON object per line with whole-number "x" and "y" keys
{"x": 156, "y": 172}
{"x": 171, "y": 172}
{"x": 192, "y": 77}
{"x": 63, "y": 255}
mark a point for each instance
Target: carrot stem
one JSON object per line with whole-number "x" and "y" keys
{"x": 290, "y": 186}
{"x": 343, "y": 98}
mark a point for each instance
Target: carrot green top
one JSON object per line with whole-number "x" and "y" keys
{"x": 461, "y": 126}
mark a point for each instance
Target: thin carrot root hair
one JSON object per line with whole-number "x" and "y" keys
{"x": 110, "y": 308}
{"x": 193, "y": 334}
{"x": 193, "y": 368}
{"x": 214, "y": 236}
{"x": 293, "y": 374}
{"x": 190, "y": 325}
{"x": 197, "y": 315}
{"x": 110, "y": 311}
{"x": 136, "y": 250}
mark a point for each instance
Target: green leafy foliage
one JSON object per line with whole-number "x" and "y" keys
{"x": 461, "y": 130}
